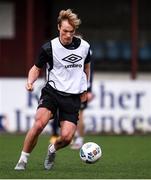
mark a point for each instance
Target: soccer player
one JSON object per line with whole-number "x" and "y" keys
{"x": 68, "y": 64}
{"x": 78, "y": 139}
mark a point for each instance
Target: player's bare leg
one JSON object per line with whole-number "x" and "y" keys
{"x": 67, "y": 132}
{"x": 42, "y": 117}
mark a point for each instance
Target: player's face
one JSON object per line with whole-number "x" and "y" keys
{"x": 66, "y": 32}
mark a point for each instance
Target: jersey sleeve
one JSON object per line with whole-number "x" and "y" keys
{"x": 42, "y": 59}
{"x": 91, "y": 70}
{"x": 88, "y": 58}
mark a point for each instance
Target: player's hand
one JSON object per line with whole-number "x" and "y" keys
{"x": 29, "y": 87}
{"x": 83, "y": 96}
{"x": 90, "y": 96}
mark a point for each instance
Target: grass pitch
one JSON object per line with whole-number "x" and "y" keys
{"x": 124, "y": 157}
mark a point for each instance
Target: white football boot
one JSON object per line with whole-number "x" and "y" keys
{"x": 21, "y": 165}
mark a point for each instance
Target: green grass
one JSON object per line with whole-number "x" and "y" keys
{"x": 124, "y": 157}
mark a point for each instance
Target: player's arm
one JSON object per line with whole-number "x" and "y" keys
{"x": 34, "y": 72}
{"x": 89, "y": 79}
{"x": 87, "y": 72}
{"x": 32, "y": 77}
{"x": 87, "y": 65}
{"x": 90, "y": 95}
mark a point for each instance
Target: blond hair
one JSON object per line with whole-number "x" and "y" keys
{"x": 70, "y": 16}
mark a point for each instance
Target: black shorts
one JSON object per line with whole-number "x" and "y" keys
{"x": 67, "y": 104}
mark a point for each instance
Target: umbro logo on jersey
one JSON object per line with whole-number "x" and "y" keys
{"x": 72, "y": 58}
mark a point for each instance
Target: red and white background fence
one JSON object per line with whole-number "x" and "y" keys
{"x": 117, "y": 107}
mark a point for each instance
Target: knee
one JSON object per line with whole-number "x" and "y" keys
{"x": 66, "y": 137}
{"x": 38, "y": 125}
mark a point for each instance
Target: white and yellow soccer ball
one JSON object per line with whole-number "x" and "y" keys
{"x": 90, "y": 152}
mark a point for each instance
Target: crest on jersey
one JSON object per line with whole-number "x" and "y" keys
{"x": 72, "y": 58}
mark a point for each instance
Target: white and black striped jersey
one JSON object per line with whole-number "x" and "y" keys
{"x": 65, "y": 64}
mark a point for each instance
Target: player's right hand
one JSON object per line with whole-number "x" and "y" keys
{"x": 83, "y": 96}
{"x": 29, "y": 87}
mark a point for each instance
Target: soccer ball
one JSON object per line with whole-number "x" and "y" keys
{"x": 90, "y": 152}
